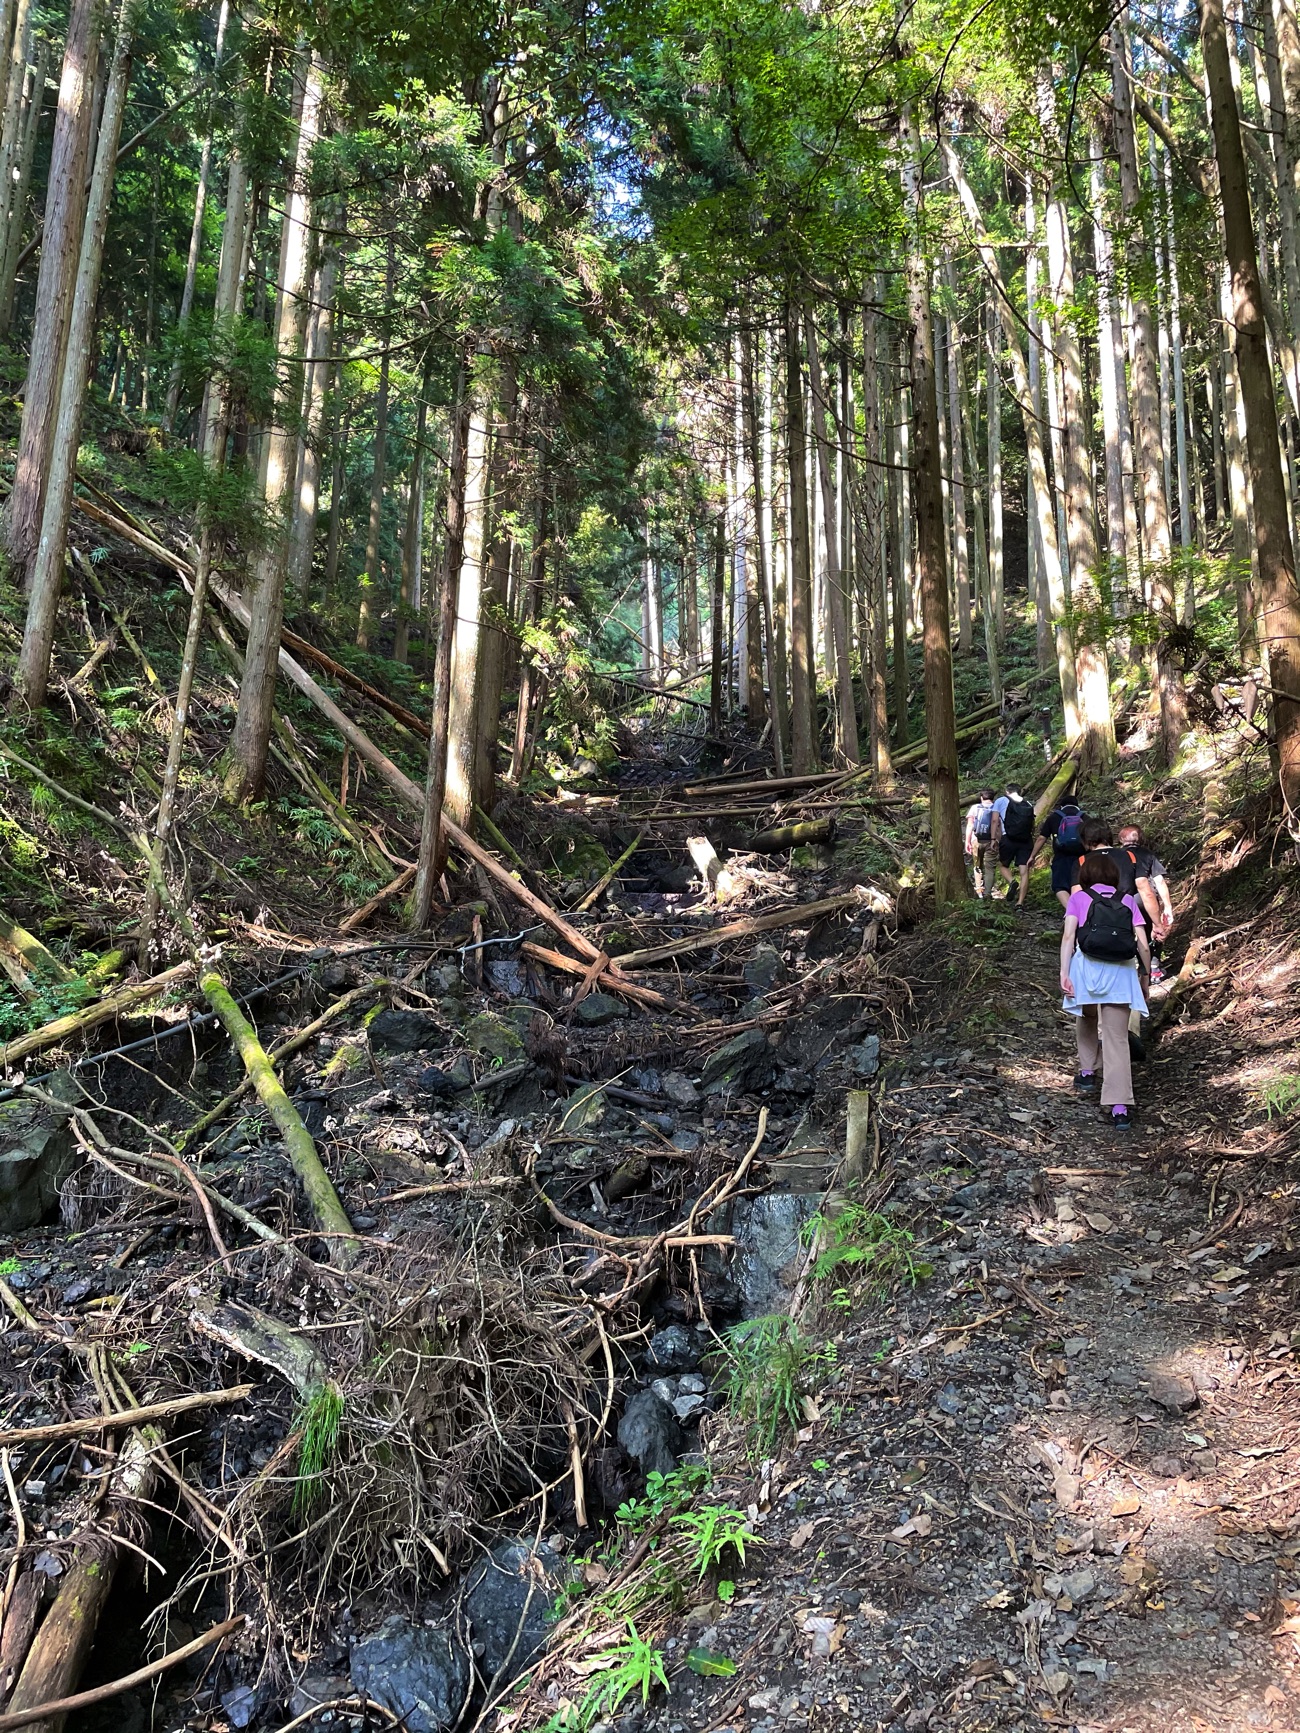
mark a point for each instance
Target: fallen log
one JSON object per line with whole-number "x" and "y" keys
{"x": 30, "y": 951}
{"x": 55, "y": 1711}
{"x": 762, "y": 784}
{"x": 91, "y": 1016}
{"x": 785, "y": 836}
{"x": 629, "y": 989}
{"x": 129, "y": 1417}
{"x": 325, "y": 1204}
{"x": 603, "y": 883}
{"x": 796, "y": 915}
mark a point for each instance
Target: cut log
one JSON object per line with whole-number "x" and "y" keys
{"x": 793, "y": 835}
{"x": 762, "y": 785}
{"x": 256, "y": 1335}
{"x": 719, "y": 883}
{"x": 799, "y": 914}
{"x": 330, "y": 1215}
{"x": 91, "y": 1016}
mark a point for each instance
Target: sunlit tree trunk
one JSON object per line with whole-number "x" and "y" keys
{"x": 529, "y": 611}
{"x": 1279, "y": 612}
{"x": 492, "y": 641}
{"x": 1088, "y": 620}
{"x": 45, "y": 577}
{"x": 940, "y": 709}
{"x": 1110, "y": 367}
{"x": 879, "y": 531}
{"x": 410, "y": 598}
{"x": 1146, "y": 410}
{"x": 65, "y": 206}
{"x": 982, "y": 584}
{"x": 462, "y": 745}
{"x": 1038, "y": 588}
{"x": 805, "y": 754}
{"x": 252, "y": 731}
{"x": 997, "y": 546}
{"x": 901, "y": 475}
{"x": 957, "y": 472}
{"x": 302, "y": 528}
{"x": 838, "y": 655}
{"x": 34, "y": 93}
{"x": 17, "y": 77}
{"x": 371, "y": 602}
{"x": 757, "y": 424}
{"x": 1048, "y": 546}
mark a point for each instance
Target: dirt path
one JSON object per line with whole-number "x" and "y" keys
{"x": 1055, "y": 1483}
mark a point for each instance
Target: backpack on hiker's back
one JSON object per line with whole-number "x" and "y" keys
{"x": 1018, "y": 819}
{"x": 1106, "y": 931}
{"x": 1069, "y": 829}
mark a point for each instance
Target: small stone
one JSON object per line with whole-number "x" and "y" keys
{"x": 508, "y": 977}
{"x": 672, "y": 1350}
{"x": 418, "y": 1673}
{"x": 685, "y": 1406}
{"x": 585, "y": 1109}
{"x": 864, "y": 1059}
{"x": 494, "y": 1037}
{"x": 515, "y": 1586}
{"x": 598, "y": 1009}
{"x": 402, "y": 1032}
{"x": 1172, "y": 1391}
{"x": 744, "y": 1062}
{"x": 1167, "y": 1467}
{"x": 764, "y": 970}
{"x": 650, "y": 1434}
{"x": 240, "y": 1705}
{"x": 664, "y": 1389}
{"x": 1075, "y": 1345}
{"x": 692, "y": 1384}
{"x": 363, "y": 1224}
{"x": 679, "y": 1089}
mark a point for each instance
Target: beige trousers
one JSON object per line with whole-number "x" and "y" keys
{"x": 1102, "y": 1034}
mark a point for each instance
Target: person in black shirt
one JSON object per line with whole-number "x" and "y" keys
{"x": 1149, "y": 865}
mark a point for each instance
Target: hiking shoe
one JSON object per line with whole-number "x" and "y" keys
{"x": 1086, "y": 1081}
{"x": 1121, "y": 1119}
{"x": 1136, "y": 1047}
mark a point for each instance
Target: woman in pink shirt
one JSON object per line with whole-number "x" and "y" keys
{"x": 1103, "y": 939}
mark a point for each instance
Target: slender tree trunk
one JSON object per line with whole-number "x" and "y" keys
{"x": 33, "y": 105}
{"x": 529, "y": 610}
{"x": 837, "y": 649}
{"x": 1110, "y": 366}
{"x": 997, "y": 552}
{"x": 1048, "y": 546}
{"x": 462, "y": 749}
{"x": 1279, "y": 612}
{"x": 982, "y": 582}
{"x": 760, "y": 464}
{"x": 252, "y": 731}
{"x": 1186, "y": 528}
{"x": 805, "y": 755}
{"x": 1146, "y": 411}
{"x": 46, "y": 576}
{"x": 1159, "y": 313}
{"x": 957, "y": 471}
{"x": 492, "y": 640}
{"x": 370, "y": 604}
{"x": 878, "y": 524}
{"x": 717, "y": 603}
{"x": 196, "y": 230}
{"x": 1088, "y": 618}
{"x": 11, "y": 129}
{"x": 901, "y": 475}
{"x": 65, "y": 205}
{"x": 408, "y": 606}
{"x": 940, "y": 708}
{"x": 1038, "y": 586}
{"x": 338, "y": 489}
{"x": 302, "y": 529}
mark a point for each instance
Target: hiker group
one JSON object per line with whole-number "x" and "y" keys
{"x": 1114, "y": 891}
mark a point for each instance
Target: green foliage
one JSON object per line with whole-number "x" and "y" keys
{"x": 1280, "y": 1096}
{"x": 664, "y": 1492}
{"x": 10, "y": 1266}
{"x": 709, "y": 1665}
{"x": 770, "y": 1367}
{"x": 714, "y": 1531}
{"x": 319, "y": 1421}
{"x": 51, "y": 999}
{"x": 874, "y": 1253}
{"x": 631, "y": 1669}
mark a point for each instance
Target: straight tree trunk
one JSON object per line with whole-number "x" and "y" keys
{"x": 760, "y": 464}
{"x": 901, "y": 476}
{"x": 46, "y": 576}
{"x": 369, "y": 605}
{"x": 805, "y": 753}
{"x": 338, "y": 487}
{"x": 1146, "y": 411}
{"x": 688, "y": 601}
{"x": 878, "y": 526}
{"x": 431, "y": 857}
{"x": 957, "y": 472}
{"x": 1159, "y": 313}
{"x": 1038, "y": 587}
{"x": 196, "y": 229}
{"x": 837, "y": 648}
{"x": 997, "y": 553}
{"x": 1048, "y": 546}
{"x": 463, "y": 747}
{"x": 982, "y": 581}
{"x": 530, "y": 608}
{"x": 940, "y": 708}
{"x": 302, "y": 530}
{"x": 409, "y": 599}
{"x": 33, "y": 107}
{"x": 1110, "y": 366}
{"x": 65, "y": 207}
{"x": 717, "y": 604}
{"x": 1279, "y": 612}
{"x": 1088, "y": 616}
{"x": 11, "y": 127}
{"x": 495, "y": 609}
{"x": 1186, "y": 529}
{"x": 252, "y": 731}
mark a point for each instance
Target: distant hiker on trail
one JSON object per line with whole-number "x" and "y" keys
{"x": 1151, "y": 867}
{"x": 1016, "y": 846}
{"x": 1101, "y": 944}
{"x": 1063, "y": 829}
{"x": 983, "y": 834}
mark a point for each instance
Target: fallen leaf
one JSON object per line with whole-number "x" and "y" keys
{"x": 1127, "y": 1504}
{"x": 1273, "y": 1697}
{"x": 802, "y": 1535}
{"x": 710, "y": 1666}
{"x": 595, "y": 1573}
{"x": 1131, "y": 1569}
{"x": 1001, "y": 1599}
{"x": 915, "y": 1525}
{"x": 1229, "y": 1273}
{"x": 827, "y": 1633}
{"x": 1101, "y": 1224}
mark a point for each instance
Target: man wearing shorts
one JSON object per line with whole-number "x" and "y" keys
{"x": 1062, "y": 831}
{"x": 1016, "y": 845}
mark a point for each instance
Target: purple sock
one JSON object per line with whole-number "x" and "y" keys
{"x": 1119, "y": 1112}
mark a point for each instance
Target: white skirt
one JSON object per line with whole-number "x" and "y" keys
{"x": 1097, "y": 982}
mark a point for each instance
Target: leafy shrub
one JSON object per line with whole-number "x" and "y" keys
{"x": 770, "y": 1367}
{"x": 875, "y": 1253}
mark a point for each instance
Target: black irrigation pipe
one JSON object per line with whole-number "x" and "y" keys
{"x": 323, "y": 954}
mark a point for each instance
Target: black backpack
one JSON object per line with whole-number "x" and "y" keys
{"x": 1106, "y": 933}
{"x": 1018, "y": 823}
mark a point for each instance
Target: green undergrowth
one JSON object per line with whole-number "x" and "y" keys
{"x": 861, "y": 1256}
{"x": 770, "y": 1371}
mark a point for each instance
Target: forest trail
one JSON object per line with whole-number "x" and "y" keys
{"x": 1056, "y": 1483}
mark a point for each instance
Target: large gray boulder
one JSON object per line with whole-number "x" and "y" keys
{"x": 509, "y": 1601}
{"x": 650, "y": 1434}
{"x": 768, "y": 1253}
{"x": 745, "y": 1062}
{"x": 37, "y": 1153}
{"x": 417, "y": 1671}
